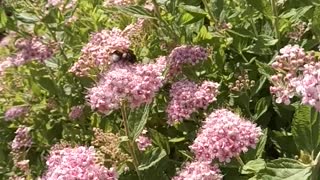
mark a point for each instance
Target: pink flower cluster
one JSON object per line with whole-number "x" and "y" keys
{"x": 199, "y": 170}
{"x": 134, "y": 28}
{"x": 224, "y": 135}
{"x": 96, "y": 54}
{"x": 76, "y": 164}
{"x": 307, "y": 85}
{"x": 4, "y": 65}
{"x": 289, "y": 65}
{"x": 134, "y": 83}
{"x": 183, "y": 55}
{"x": 143, "y": 141}
{"x": 22, "y": 139}
{"x": 187, "y": 97}
{"x": 30, "y": 49}
{"x": 62, "y": 4}
{"x": 76, "y": 112}
{"x": 118, "y": 2}
{"x": 15, "y": 112}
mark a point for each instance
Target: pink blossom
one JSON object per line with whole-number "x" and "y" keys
{"x": 184, "y": 55}
{"x": 224, "y": 135}
{"x": 76, "y": 112}
{"x": 288, "y": 65}
{"x": 15, "y": 112}
{"x": 76, "y": 164}
{"x": 199, "y": 170}
{"x": 30, "y": 49}
{"x": 62, "y": 4}
{"x": 118, "y": 2}
{"x": 307, "y": 85}
{"x": 22, "y": 139}
{"x": 143, "y": 141}
{"x": 187, "y": 97}
{"x": 136, "y": 84}
{"x": 97, "y": 53}
{"x": 4, "y": 65}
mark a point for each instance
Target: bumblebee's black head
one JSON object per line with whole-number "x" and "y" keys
{"x": 125, "y": 55}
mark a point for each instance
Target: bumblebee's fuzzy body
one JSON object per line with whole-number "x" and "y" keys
{"x": 124, "y": 55}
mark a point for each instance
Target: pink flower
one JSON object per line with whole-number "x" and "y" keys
{"x": 224, "y": 135}
{"x": 76, "y": 164}
{"x": 288, "y": 66}
{"x": 199, "y": 170}
{"x": 15, "y": 112}
{"x": 76, "y": 112}
{"x": 22, "y": 139}
{"x": 97, "y": 53}
{"x": 183, "y": 55}
{"x": 136, "y": 84}
{"x": 118, "y": 2}
{"x": 30, "y": 49}
{"x": 143, "y": 141}
{"x": 187, "y": 97}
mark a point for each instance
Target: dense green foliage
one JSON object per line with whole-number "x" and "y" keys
{"x": 290, "y": 146}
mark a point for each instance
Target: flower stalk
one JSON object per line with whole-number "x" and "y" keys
{"x": 130, "y": 141}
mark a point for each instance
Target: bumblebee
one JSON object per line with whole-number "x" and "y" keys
{"x": 123, "y": 55}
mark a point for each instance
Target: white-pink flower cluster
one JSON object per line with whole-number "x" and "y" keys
{"x": 97, "y": 53}
{"x": 15, "y": 112}
{"x": 22, "y": 139}
{"x": 187, "y": 97}
{"x": 199, "y": 170}
{"x": 297, "y": 75}
{"x": 143, "y": 141}
{"x": 118, "y": 2}
{"x": 135, "y": 84}
{"x": 183, "y": 55}
{"x": 62, "y": 4}
{"x": 28, "y": 50}
{"x": 307, "y": 85}
{"x": 224, "y": 135}
{"x": 76, "y": 164}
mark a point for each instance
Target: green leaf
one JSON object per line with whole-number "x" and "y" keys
{"x": 253, "y": 167}
{"x": 262, "y": 6}
{"x": 152, "y": 159}
{"x": 261, "y": 107}
{"x": 160, "y": 140}
{"x": 193, "y": 9}
{"x": 265, "y": 69}
{"x": 284, "y": 143}
{"x": 285, "y": 169}
{"x": 296, "y": 14}
{"x": 316, "y": 22}
{"x": 137, "y": 121}
{"x": 3, "y": 18}
{"x": 136, "y": 11}
{"x": 306, "y": 129}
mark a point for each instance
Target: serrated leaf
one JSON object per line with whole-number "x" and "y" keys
{"x": 261, "y": 107}
{"x": 193, "y": 9}
{"x": 253, "y": 166}
{"x": 262, "y": 6}
{"x": 3, "y": 18}
{"x": 264, "y": 69}
{"x": 285, "y": 169}
{"x": 138, "y": 122}
{"x": 316, "y": 22}
{"x": 306, "y": 129}
{"x": 152, "y": 159}
{"x": 136, "y": 11}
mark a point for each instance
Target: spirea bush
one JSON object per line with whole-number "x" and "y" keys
{"x": 159, "y": 89}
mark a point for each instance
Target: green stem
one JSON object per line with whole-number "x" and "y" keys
{"x": 275, "y": 21}
{"x": 206, "y": 5}
{"x": 240, "y": 161}
{"x": 130, "y": 141}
